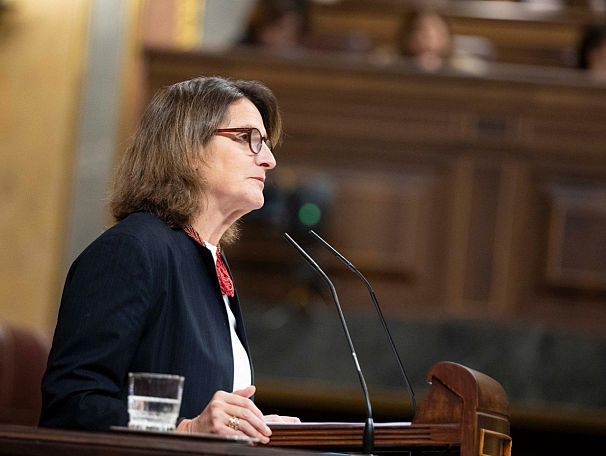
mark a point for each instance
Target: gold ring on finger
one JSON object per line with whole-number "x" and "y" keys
{"x": 234, "y": 423}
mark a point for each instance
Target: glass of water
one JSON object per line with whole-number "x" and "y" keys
{"x": 154, "y": 400}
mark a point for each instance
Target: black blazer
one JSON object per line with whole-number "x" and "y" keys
{"x": 141, "y": 298}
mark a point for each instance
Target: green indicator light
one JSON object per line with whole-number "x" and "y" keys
{"x": 310, "y": 214}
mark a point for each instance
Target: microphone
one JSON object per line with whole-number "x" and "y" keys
{"x": 368, "y": 436}
{"x": 347, "y": 263}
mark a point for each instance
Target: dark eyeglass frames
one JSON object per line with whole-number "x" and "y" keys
{"x": 255, "y": 139}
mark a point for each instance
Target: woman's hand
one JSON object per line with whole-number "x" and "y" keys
{"x": 230, "y": 414}
{"x": 280, "y": 419}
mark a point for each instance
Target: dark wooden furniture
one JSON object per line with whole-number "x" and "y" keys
{"x": 31, "y": 441}
{"x": 465, "y": 413}
{"x": 23, "y": 355}
{"x": 458, "y": 195}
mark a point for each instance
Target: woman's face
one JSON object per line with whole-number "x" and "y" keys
{"x": 429, "y": 35}
{"x": 284, "y": 33}
{"x": 234, "y": 175}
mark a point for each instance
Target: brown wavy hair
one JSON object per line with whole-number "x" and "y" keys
{"x": 158, "y": 173}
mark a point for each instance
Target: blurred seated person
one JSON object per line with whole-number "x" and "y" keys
{"x": 426, "y": 38}
{"x": 592, "y": 51}
{"x": 281, "y": 25}
{"x": 277, "y": 24}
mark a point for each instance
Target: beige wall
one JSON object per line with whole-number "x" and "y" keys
{"x": 42, "y": 56}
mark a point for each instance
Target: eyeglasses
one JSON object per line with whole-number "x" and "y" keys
{"x": 253, "y": 136}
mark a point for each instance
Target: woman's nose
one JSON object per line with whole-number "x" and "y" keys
{"x": 266, "y": 157}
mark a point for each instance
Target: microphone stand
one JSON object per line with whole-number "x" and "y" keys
{"x": 355, "y": 270}
{"x": 368, "y": 436}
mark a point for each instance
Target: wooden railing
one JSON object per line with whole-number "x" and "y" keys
{"x": 465, "y": 411}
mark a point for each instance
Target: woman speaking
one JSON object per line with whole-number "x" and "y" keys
{"x": 153, "y": 293}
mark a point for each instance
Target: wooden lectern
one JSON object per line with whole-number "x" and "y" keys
{"x": 465, "y": 413}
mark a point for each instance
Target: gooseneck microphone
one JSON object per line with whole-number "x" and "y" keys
{"x": 368, "y": 437}
{"x": 373, "y": 296}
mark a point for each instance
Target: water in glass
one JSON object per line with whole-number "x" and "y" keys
{"x": 153, "y": 413}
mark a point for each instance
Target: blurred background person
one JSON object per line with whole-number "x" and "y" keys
{"x": 426, "y": 38}
{"x": 280, "y": 25}
{"x": 592, "y": 51}
{"x": 277, "y": 24}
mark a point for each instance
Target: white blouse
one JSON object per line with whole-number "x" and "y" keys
{"x": 242, "y": 373}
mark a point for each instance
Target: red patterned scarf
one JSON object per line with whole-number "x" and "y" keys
{"x": 225, "y": 282}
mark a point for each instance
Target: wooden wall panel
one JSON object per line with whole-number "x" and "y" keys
{"x": 377, "y": 219}
{"x": 576, "y": 253}
{"x": 385, "y": 221}
{"x": 512, "y": 264}
{"x": 481, "y": 235}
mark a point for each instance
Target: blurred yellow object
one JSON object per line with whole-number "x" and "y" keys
{"x": 187, "y": 22}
